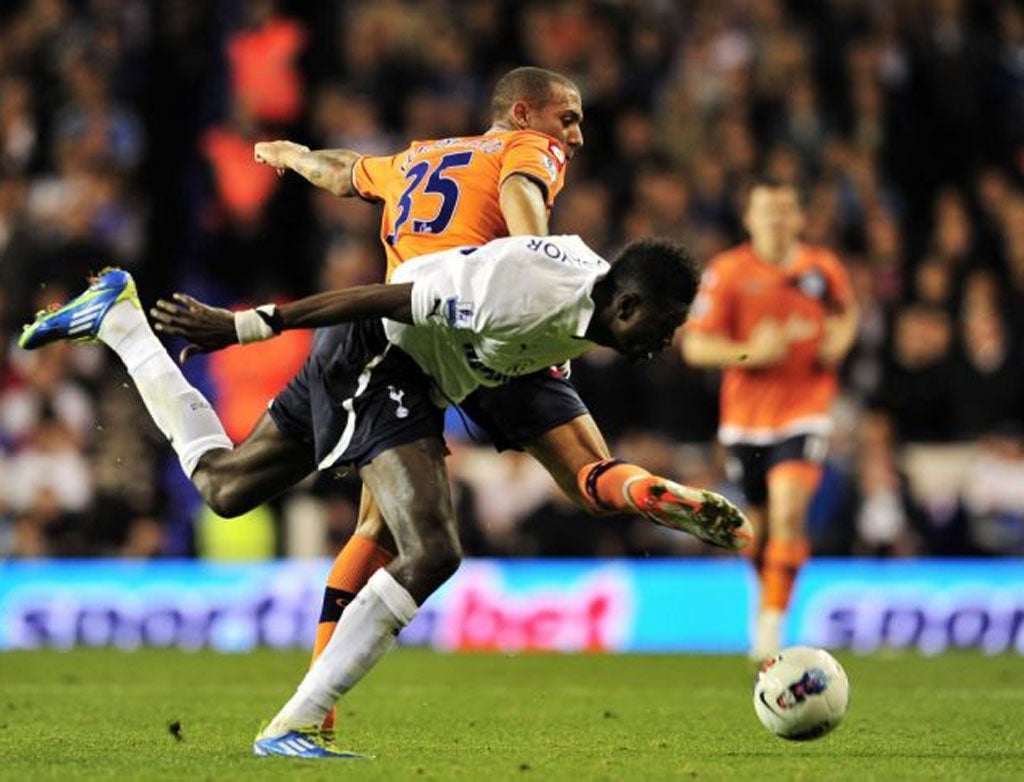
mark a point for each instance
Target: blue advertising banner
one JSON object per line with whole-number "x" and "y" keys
{"x": 544, "y": 605}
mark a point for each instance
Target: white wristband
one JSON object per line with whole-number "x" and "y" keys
{"x": 250, "y": 325}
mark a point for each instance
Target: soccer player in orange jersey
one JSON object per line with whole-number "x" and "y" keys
{"x": 457, "y": 192}
{"x": 779, "y": 317}
{"x": 433, "y": 193}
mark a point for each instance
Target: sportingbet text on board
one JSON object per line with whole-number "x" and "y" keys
{"x": 489, "y": 605}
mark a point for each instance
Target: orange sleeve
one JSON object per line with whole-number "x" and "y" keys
{"x": 371, "y": 175}
{"x": 839, "y": 286}
{"x": 713, "y": 308}
{"x": 538, "y": 157}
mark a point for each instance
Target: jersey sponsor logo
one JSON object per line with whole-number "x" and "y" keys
{"x": 458, "y": 314}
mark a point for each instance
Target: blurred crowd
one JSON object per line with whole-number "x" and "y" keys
{"x": 126, "y": 133}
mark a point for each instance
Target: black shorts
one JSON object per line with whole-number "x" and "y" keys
{"x": 748, "y": 465}
{"x": 519, "y": 411}
{"x": 356, "y": 397}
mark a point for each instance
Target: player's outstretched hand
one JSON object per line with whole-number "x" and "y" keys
{"x": 206, "y": 328}
{"x": 278, "y": 154}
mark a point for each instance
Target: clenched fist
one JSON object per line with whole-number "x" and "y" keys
{"x": 278, "y": 154}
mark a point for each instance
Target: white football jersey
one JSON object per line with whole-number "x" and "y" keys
{"x": 482, "y": 315}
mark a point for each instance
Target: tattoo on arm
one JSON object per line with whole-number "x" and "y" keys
{"x": 329, "y": 169}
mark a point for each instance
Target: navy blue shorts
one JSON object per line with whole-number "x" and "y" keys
{"x": 519, "y": 411}
{"x": 748, "y": 465}
{"x": 356, "y": 397}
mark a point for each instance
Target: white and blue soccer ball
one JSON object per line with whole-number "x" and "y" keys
{"x": 801, "y": 693}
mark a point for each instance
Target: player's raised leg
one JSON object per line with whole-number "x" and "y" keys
{"x": 412, "y": 483}
{"x": 110, "y": 311}
{"x": 791, "y": 486}
{"x": 543, "y": 413}
{"x": 231, "y": 480}
{"x": 577, "y": 457}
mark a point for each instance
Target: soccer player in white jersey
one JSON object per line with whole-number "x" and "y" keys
{"x": 410, "y": 346}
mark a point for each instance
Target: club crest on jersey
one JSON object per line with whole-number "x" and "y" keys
{"x": 397, "y": 395}
{"x": 557, "y": 152}
{"x": 459, "y": 314}
{"x": 812, "y": 284}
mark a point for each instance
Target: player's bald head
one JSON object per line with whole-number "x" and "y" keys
{"x": 534, "y": 86}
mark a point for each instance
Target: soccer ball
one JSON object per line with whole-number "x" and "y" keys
{"x": 801, "y": 693}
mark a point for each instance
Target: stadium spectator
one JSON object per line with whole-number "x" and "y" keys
{"x": 882, "y": 516}
{"x": 987, "y": 379}
{"x": 993, "y": 494}
{"x": 265, "y": 78}
{"x": 916, "y": 391}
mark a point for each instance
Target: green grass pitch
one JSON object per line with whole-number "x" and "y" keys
{"x": 87, "y": 715}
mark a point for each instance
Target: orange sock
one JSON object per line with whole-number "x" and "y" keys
{"x": 782, "y": 562}
{"x": 601, "y": 483}
{"x": 356, "y": 562}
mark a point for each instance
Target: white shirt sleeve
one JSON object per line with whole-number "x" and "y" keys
{"x": 505, "y": 285}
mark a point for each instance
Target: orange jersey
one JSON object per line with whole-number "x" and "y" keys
{"x": 443, "y": 194}
{"x": 737, "y": 292}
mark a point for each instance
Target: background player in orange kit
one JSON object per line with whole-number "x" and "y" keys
{"x": 779, "y": 317}
{"x": 459, "y": 192}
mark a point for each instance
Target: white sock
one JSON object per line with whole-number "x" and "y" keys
{"x": 767, "y": 633}
{"x": 181, "y": 412}
{"x": 365, "y": 633}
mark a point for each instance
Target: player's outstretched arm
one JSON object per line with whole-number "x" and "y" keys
{"x": 330, "y": 169}
{"x": 364, "y": 302}
{"x": 211, "y": 328}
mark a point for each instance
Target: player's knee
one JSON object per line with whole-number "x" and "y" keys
{"x": 218, "y": 482}
{"x": 227, "y": 505}
{"x": 436, "y": 558}
{"x": 445, "y": 560}
{"x": 224, "y": 499}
